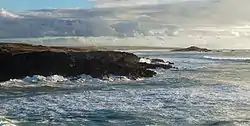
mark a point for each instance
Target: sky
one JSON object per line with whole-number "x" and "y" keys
{"x": 115, "y": 3}
{"x": 22, "y": 5}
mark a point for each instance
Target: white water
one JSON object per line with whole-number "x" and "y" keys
{"x": 227, "y": 58}
{"x": 145, "y": 60}
{"x": 7, "y": 122}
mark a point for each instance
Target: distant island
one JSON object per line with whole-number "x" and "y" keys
{"x": 193, "y": 49}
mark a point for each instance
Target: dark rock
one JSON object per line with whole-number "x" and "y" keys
{"x": 155, "y": 66}
{"x": 157, "y": 61}
{"x": 98, "y": 64}
{"x": 192, "y": 48}
{"x": 170, "y": 63}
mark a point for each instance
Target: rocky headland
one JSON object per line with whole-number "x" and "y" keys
{"x": 20, "y": 60}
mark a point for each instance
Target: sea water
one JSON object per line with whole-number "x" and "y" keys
{"x": 207, "y": 89}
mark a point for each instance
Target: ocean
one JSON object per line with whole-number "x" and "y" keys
{"x": 208, "y": 89}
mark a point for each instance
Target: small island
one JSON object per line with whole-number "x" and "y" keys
{"x": 192, "y": 49}
{"x": 20, "y": 60}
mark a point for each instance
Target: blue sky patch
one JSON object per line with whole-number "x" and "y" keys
{"x": 20, "y": 5}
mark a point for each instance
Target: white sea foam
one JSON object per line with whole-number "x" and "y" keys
{"x": 113, "y": 78}
{"x": 7, "y": 122}
{"x": 34, "y": 79}
{"x": 38, "y": 78}
{"x": 227, "y": 58}
{"x": 145, "y": 60}
{"x": 60, "y": 81}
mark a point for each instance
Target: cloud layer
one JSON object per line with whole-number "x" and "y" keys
{"x": 181, "y": 23}
{"x": 128, "y": 3}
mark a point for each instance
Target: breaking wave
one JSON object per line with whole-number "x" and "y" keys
{"x": 60, "y": 81}
{"x": 7, "y": 122}
{"x": 145, "y": 60}
{"x": 227, "y": 58}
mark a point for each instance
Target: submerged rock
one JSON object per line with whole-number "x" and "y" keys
{"x": 98, "y": 64}
{"x": 192, "y": 48}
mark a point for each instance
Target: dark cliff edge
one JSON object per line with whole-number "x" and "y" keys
{"x": 192, "y": 49}
{"x": 20, "y": 60}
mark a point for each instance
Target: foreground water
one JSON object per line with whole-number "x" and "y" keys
{"x": 208, "y": 89}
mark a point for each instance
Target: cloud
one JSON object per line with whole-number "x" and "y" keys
{"x": 208, "y": 23}
{"x": 128, "y": 3}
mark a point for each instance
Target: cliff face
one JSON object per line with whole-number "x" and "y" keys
{"x": 18, "y": 62}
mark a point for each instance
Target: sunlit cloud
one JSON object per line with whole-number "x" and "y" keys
{"x": 125, "y": 3}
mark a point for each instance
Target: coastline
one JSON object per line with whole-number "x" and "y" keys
{"x": 21, "y": 60}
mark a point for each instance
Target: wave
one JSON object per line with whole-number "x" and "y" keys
{"x": 37, "y": 78}
{"x": 221, "y": 58}
{"x": 7, "y": 122}
{"x": 145, "y": 60}
{"x": 60, "y": 81}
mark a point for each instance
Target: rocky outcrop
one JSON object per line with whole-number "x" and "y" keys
{"x": 157, "y": 61}
{"x": 192, "y": 48}
{"x": 17, "y": 62}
